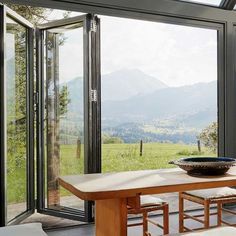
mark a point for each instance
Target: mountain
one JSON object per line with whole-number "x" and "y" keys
{"x": 137, "y": 106}
{"x": 116, "y": 86}
{"x": 76, "y": 91}
{"x": 194, "y": 105}
{"x": 124, "y": 84}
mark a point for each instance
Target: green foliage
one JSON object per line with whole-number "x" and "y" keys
{"x": 36, "y": 15}
{"x": 64, "y": 100}
{"x": 106, "y": 139}
{"x": 17, "y": 97}
{"x": 209, "y": 136}
{"x": 16, "y": 114}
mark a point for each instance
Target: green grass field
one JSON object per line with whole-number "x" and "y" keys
{"x": 125, "y": 157}
{"x": 115, "y": 157}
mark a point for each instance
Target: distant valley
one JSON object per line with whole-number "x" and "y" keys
{"x": 138, "y": 106}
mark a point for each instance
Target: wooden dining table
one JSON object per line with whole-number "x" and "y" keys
{"x": 112, "y": 191}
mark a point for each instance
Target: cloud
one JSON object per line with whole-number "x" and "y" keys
{"x": 177, "y": 55}
{"x": 71, "y": 55}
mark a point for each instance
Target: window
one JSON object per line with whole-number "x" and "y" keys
{"x": 159, "y": 93}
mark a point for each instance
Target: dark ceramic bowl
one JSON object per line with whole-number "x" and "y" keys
{"x": 205, "y": 165}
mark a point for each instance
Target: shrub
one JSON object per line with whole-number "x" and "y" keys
{"x": 111, "y": 140}
{"x": 209, "y": 136}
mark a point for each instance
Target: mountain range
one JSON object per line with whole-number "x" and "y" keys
{"x": 116, "y": 86}
{"x": 194, "y": 105}
{"x": 123, "y": 84}
{"x": 133, "y": 100}
{"x": 133, "y": 96}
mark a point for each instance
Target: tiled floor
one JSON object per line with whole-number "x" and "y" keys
{"x": 55, "y": 222}
{"x": 89, "y": 230}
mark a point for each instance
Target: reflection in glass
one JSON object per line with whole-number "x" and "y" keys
{"x": 16, "y": 118}
{"x": 207, "y": 2}
{"x": 65, "y": 113}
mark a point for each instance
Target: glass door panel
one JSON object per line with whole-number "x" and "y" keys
{"x": 67, "y": 75}
{"x": 64, "y": 113}
{"x": 18, "y": 117}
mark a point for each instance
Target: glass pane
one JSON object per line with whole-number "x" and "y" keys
{"x": 65, "y": 112}
{"x": 158, "y": 99}
{"x": 15, "y": 46}
{"x": 207, "y": 2}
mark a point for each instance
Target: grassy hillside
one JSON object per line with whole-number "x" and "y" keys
{"x": 115, "y": 157}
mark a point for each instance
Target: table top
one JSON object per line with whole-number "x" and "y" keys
{"x": 130, "y": 183}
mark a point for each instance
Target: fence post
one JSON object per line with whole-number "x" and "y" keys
{"x": 199, "y": 145}
{"x": 78, "y": 150}
{"x": 141, "y": 148}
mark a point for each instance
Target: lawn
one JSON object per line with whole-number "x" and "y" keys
{"x": 115, "y": 157}
{"x": 125, "y": 157}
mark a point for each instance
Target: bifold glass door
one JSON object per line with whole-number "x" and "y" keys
{"x": 67, "y": 80}
{"x": 64, "y": 100}
{"x": 17, "y": 157}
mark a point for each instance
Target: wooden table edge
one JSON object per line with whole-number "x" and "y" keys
{"x": 126, "y": 193}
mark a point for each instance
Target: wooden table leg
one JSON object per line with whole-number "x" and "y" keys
{"x": 111, "y": 217}
{"x": 206, "y": 214}
{"x": 181, "y": 213}
{"x": 219, "y": 214}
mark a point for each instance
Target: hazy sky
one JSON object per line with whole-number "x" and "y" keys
{"x": 177, "y": 55}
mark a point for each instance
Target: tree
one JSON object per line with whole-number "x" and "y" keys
{"x": 209, "y": 136}
{"x": 36, "y": 15}
{"x": 64, "y": 100}
{"x": 106, "y": 139}
{"x": 16, "y": 96}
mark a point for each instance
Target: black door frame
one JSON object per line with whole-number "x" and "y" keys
{"x": 181, "y": 13}
{"x": 6, "y": 12}
{"x": 92, "y": 139}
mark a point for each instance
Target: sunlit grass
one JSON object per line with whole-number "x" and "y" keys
{"x": 115, "y": 157}
{"x": 125, "y": 157}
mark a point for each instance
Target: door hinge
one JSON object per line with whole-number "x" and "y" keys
{"x": 93, "y": 25}
{"x": 94, "y": 96}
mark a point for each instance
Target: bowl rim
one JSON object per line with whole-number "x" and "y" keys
{"x": 221, "y": 163}
{"x": 212, "y": 158}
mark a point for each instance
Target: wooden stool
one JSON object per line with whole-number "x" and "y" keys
{"x": 145, "y": 204}
{"x": 206, "y": 197}
{"x": 217, "y": 231}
